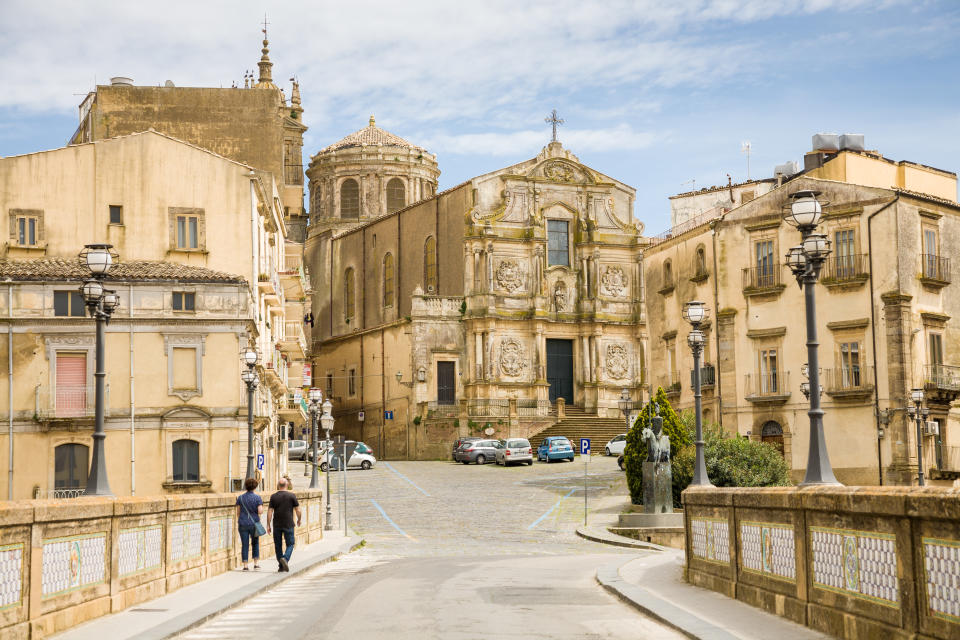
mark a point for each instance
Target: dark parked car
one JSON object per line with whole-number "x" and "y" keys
{"x": 620, "y": 462}
{"x": 460, "y": 442}
{"x": 555, "y": 448}
{"x": 479, "y": 451}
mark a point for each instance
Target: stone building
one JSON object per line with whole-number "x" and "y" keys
{"x": 204, "y": 273}
{"x": 476, "y": 308}
{"x": 884, "y": 309}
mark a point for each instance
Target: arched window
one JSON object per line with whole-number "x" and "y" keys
{"x": 349, "y": 199}
{"x": 430, "y": 265}
{"x": 70, "y": 466}
{"x": 701, "y": 265}
{"x": 667, "y": 274}
{"x": 349, "y": 294}
{"x": 388, "y": 280}
{"x": 772, "y": 433}
{"x": 186, "y": 461}
{"x": 396, "y": 195}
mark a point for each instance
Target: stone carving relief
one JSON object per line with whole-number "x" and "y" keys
{"x": 509, "y": 276}
{"x": 559, "y": 172}
{"x": 514, "y": 205}
{"x": 617, "y": 361}
{"x": 560, "y": 296}
{"x": 513, "y": 357}
{"x": 613, "y": 282}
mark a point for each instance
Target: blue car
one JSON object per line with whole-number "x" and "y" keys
{"x": 555, "y": 448}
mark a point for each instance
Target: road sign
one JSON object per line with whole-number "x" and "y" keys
{"x": 360, "y": 416}
{"x": 584, "y": 446}
{"x": 260, "y": 461}
{"x": 388, "y": 415}
{"x": 304, "y": 431}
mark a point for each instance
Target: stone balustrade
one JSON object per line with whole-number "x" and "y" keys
{"x": 63, "y": 562}
{"x": 854, "y": 562}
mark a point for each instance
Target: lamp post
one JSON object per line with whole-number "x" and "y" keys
{"x": 327, "y": 421}
{"x": 695, "y": 312}
{"x": 315, "y": 397}
{"x": 918, "y": 412}
{"x": 624, "y": 403}
{"x": 101, "y": 303}
{"x": 249, "y": 376}
{"x": 805, "y": 261}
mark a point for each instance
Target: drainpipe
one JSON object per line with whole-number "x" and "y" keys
{"x": 133, "y": 431}
{"x": 873, "y": 336}
{"x": 10, "y": 391}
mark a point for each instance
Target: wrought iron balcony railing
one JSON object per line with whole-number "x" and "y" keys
{"x": 708, "y": 375}
{"x": 763, "y": 277}
{"x": 848, "y": 379}
{"x": 942, "y": 377}
{"x": 934, "y": 267}
{"x": 849, "y": 268}
{"x": 770, "y": 384}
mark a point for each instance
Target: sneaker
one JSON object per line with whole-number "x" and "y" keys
{"x": 283, "y": 564}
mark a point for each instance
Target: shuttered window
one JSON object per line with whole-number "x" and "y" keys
{"x": 71, "y": 391}
{"x": 186, "y": 461}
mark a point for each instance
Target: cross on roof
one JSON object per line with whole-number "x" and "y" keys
{"x": 554, "y": 120}
{"x": 265, "y": 23}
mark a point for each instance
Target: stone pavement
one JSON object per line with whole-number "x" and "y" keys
{"x": 190, "y": 606}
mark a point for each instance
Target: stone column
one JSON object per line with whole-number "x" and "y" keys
{"x": 584, "y": 282}
{"x": 595, "y": 271}
{"x": 896, "y": 316}
{"x": 727, "y": 370}
{"x": 467, "y": 270}
{"x": 596, "y": 358}
{"x": 490, "y": 356}
{"x": 541, "y": 354}
{"x": 585, "y": 349}
{"x": 490, "y": 267}
{"x": 478, "y": 357}
{"x": 476, "y": 284}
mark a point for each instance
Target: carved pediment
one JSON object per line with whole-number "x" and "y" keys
{"x": 562, "y": 171}
{"x": 185, "y": 413}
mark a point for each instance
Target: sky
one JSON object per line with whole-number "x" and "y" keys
{"x": 659, "y": 95}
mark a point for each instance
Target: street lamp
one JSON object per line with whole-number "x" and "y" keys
{"x": 695, "y": 312}
{"x": 624, "y": 403}
{"x": 919, "y": 413}
{"x": 249, "y": 376}
{"x": 327, "y": 421}
{"x": 805, "y": 261}
{"x": 101, "y": 303}
{"x": 315, "y": 397}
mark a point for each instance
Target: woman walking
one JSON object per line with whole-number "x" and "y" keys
{"x": 249, "y": 508}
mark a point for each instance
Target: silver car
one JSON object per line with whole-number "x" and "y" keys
{"x": 297, "y": 450}
{"x": 515, "y": 450}
{"x": 479, "y": 451}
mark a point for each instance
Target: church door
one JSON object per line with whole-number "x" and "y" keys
{"x": 446, "y": 386}
{"x": 560, "y": 369}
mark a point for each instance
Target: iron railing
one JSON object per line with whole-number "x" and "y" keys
{"x": 949, "y": 458}
{"x": 532, "y": 408}
{"x": 670, "y": 382}
{"x": 852, "y": 378}
{"x": 935, "y": 267}
{"x": 488, "y": 407}
{"x": 762, "y": 277}
{"x": 67, "y": 401}
{"x": 442, "y": 410}
{"x": 941, "y": 376}
{"x": 773, "y": 383}
{"x": 65, "y": 494}
{"x": 845, "y": 268}
{"x": 708, "y": 376}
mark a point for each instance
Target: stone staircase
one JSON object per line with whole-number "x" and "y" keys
{"x": 580, "y": 424}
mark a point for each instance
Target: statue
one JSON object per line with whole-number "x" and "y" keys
{"x": 657, "y": 474}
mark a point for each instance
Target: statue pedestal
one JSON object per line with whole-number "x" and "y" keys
{"x": 657, "y": 488}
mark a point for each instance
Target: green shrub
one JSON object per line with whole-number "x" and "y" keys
{"x": 635, "y": 451}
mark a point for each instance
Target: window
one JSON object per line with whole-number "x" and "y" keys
{"x": 71, "y": 380}
{"x": 396, "y": 195}
{"x": 558, "y": 243}
{"x": 850, "y": 364}
{"x": 183, "y": 301}
{"x": 116, "y": 214}
{"x": 68, "y": 303}
{"x": 769, "y": 372}
{"x": 352, "y": 382}
{"x": 430, "y": 264}
{"x": 186, "y": 461}
{"x": 667, "y": 274}
{"x": 349, "y": 199}
{"x": 765, "y": 263}
{"x": 70, "y": 466}
{"x": 27, "y": 231}
{"x": 188, "y": 232}
{"x": 701, "y": 265}
{"x": 388, "y": 280}
{"x": 935, "y": 349}
{"x": 329, "y": 385}
{"x": 931, "y": 253}
{"x": 349, "y": 294}
{"x": 845, "y": 250}
{"x": 26, "y": 227}
{"x": 184, "y": 368}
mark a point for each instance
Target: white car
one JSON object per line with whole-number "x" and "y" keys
{"x": 515, "y": 450}
{"x": 615, "y": 447}
{"x": 357, "y": 460}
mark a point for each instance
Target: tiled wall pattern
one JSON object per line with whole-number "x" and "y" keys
{"x": 11, "y": 575}
{"x": 220, "y": 534}
{"x": 711, "y": 539}
{"x": 768, "y": 549}
{"x": 140, "y": 549}
{"x": 857, "y": 563}
{"x": 185, "y": 540}
{"x": 73, "y": 562}
{"x": 941, "y": 566}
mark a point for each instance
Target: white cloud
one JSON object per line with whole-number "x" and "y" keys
{"x": 513, "y": 144}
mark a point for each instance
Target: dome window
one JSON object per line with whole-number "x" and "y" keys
{"x": 396, "y": 195}
{"x": 349, "y": 199}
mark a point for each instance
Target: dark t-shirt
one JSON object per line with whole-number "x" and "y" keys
{"x": 282, "y": 503}
{"x": 249, "y": 502}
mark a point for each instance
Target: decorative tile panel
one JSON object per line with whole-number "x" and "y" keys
{"x": 220, "y": 534}
{"x": 768, "y": 549}
{"x": 72, "y": 563}
{"x": 711, "y": 539}
{"x": 941, "y": 567}
{"x": 11, "y": 575}
{"x": 185, "y": 540}
{"x": 856, "y": 563}
{"x": 314, "y": 513}
{"x": 140, "y": 549}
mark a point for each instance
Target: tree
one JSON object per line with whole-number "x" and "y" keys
{"x": 635, "y": 451}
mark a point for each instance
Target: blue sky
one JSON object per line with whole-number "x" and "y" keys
{"x": 655, "y": 94}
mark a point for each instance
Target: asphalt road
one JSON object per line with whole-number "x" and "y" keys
{"x": 454, "y": 552}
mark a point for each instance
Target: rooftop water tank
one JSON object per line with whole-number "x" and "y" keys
{"x": 826, "y": 142}
{"x": 121, "y": 81}
{"x": 852, "y": 142}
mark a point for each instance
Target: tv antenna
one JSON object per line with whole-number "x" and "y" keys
{"x": 692, "y": 182}
{"x": 745, "y": 147}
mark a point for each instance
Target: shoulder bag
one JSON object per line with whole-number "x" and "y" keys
{"x": 257, "y": 525}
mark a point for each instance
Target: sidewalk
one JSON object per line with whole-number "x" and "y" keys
{"x": 192, "y": 605}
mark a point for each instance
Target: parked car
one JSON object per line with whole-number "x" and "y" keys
{"x": 360, "y": 448}
{"x": 616, "y": 445}
{"x": 514, "y": 450}
{"x": 479, "y": 451}
{"x": 555, "y": 448}
{"x": 357, "y": 460}
{"x": 296, "y": 450}
{"x": 459, "y": 442}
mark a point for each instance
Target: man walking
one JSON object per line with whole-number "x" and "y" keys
{"x": 283, "y": 504}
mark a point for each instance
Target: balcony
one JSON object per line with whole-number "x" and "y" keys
{"x": 846, "y": 272}
{"x": 763, "y": 280}
{"x": 488, "y": 408}
{"x": 768, "y": 388}
{"x": 293, "y": 278}
{"x": 532, "y": 408}
{"x": 294, "y": 341}
{"x": 293, "y": 408}
{"x": 708, "y": 377}
{"x": 934, "y": 270}
{"x": 948, "y": 460}
{"x": 848, "y": 383}
{"x": 670, "y": 383}
{"x": 67, "y": 402}
{"x": 269, "y": 286}
{"x": 941, "y": 382}
{"x": 275, "y": 373}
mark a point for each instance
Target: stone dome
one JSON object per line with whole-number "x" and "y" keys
{"x": 371, "y": 135}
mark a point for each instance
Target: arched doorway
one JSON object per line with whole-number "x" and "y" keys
{"x": 772, "y": 433}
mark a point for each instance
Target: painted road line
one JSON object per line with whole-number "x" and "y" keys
{"x": 392, "y": 523}
{"x": 412, "y": 483}
{"x": 549, "y": 511}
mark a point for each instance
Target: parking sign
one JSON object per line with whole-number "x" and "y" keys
{"x": 584, "y": 446}
{"x": 260, "y": 461}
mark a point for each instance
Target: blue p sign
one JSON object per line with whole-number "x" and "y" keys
{"x": 584, "y": 446}
{"x": 260, "y": 461}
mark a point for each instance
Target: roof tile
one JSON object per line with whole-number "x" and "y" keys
{"x": 135, "y": 270}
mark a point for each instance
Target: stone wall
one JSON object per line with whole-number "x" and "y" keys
{"x": 854, "y": 562}
{"x": 65, "y": 562}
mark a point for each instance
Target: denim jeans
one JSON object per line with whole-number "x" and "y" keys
{"x": 279, "y": 537}
{"x": 248, "y": 531}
